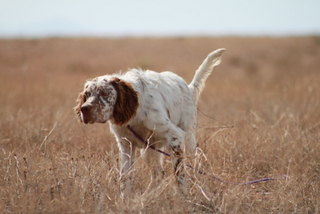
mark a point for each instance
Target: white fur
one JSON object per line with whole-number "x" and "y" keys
{"x": 166, "y": 117}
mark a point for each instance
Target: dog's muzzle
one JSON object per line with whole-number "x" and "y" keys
{"x": 86, "y": 114}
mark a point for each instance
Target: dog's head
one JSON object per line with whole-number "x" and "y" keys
{"x": 107, "y": 98}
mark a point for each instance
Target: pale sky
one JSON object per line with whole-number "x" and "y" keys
{"x": 42, "y": 18}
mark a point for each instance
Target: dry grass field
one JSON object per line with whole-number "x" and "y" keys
{"x": 259, "y": 116}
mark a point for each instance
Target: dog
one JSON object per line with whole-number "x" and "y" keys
{"x": 160, "y": 108}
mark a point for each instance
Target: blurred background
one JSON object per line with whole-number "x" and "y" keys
{"x": 258, "y": 116}
{"x": 111, "y": 18}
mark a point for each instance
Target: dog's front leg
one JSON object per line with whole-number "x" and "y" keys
{"x": 178, "y": 165}
{"x": 127, "y": 156}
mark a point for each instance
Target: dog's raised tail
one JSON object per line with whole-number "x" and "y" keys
{"x": 197, "y": 84}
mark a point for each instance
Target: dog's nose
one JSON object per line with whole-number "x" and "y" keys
{"x": 85, "y": 108}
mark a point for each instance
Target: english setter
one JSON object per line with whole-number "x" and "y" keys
{"x": 161, "y": 108}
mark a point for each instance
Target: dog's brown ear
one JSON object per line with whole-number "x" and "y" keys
{"x": 80, "y": 101}
{"x": 127, "y": 101}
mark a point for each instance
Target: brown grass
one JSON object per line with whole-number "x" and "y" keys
{"x": 268, "y": 89}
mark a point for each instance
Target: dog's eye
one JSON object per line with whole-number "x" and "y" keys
{"x": 86, "y": 94}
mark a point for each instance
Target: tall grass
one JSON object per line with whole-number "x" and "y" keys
{"x": 258, "y": 117}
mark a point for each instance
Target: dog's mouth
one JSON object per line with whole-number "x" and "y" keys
{"x": 87, "y": 120}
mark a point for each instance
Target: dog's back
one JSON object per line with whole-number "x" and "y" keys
{"x": 165, "y": 92}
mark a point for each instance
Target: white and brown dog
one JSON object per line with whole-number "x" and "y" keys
{"x": 161, "y": 108}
